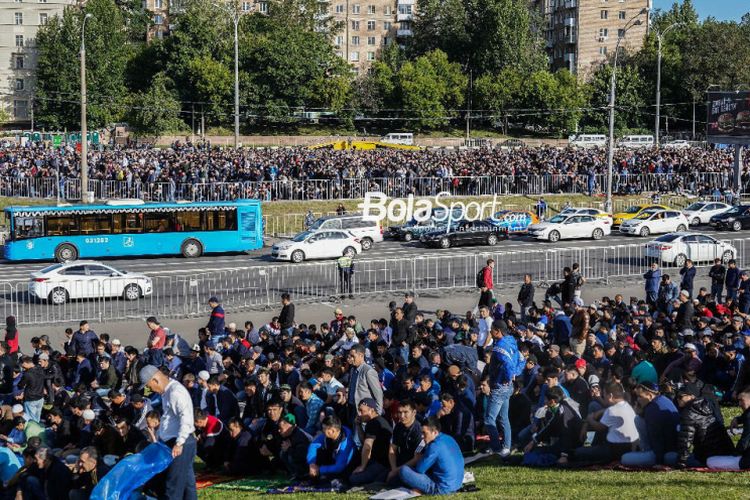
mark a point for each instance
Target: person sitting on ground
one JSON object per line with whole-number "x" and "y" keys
{"x": 559, "y": 427}
{"x": 701, "y": 430}
{"x": 657, "y": 429}
{"x": 375, "y": 439}
{"x": 741, "y": 458}
{"x": 331, "y": 452}
{"x": 294, "y": 445}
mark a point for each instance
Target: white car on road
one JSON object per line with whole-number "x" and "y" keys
{"x": 701, "y": 212}
{"x": 655, "y": 221}
{"x": 678, "y": 144}
{"x": 571, "y": 226}
{"x": 317, "y": 245}
{"x": 87, "y": 279}
{"x": 676, "y": 248}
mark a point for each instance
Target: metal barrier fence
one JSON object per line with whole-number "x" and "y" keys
{"x": 354, "y": 188}
{"x": 261, "y": 286}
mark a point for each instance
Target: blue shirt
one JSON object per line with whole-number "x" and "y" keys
{"x": 502, "y": 361}
{"x": 662, "y": 421}
{"x": 653, "y": 278}
{"x": 443, "y": 462}
{"x": 342, "y": 455}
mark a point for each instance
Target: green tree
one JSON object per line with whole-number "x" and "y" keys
{"x": 558, "y": 98}
{"x": 497, "y": 93}
{"x": 58, "y": 77}
{"x": 156, "y": 111}
{"x": 442, "y": 25}
{"x": 211, "y": 83}
{"x": 631, "y": 109}
{"x": 432, "y": 89}
{"x": 4, "y": 116}
{"x": 374, "y": 90}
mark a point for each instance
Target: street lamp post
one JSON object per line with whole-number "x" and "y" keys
{"x": 611, "y": 149}
{"x": 84, "y": 142}
{"x": 659, "y": 38}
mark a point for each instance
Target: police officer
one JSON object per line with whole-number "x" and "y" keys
{"x": 346, "y": 269}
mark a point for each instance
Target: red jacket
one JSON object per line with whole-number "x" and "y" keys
{"x": 487, "y": 277}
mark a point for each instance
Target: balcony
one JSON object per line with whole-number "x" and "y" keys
{"x": 571, "y": 4}
{"x": 404, "y": 17}
{"x": 570, "y": 21}
{"x": 549, "y": 43}
{"x": 569, "y": 58}
{"x": 405, "y": 2}
{"x": 404, "y": 32}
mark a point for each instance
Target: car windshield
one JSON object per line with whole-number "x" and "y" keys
{"x": 695, "y": 207}
{"x": 302, "y": 236}
{"x": 667, "y": 238}
{"x": 734, "y": 210}
{"x": 633, "y": 210}
{"x": 645, "y": 215}
{"x": 557, "y": 219}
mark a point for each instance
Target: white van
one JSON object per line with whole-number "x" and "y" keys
{"x": 399, "y": 138}
{"x": 588, "y": 140}
{"x": 367, "y": 231}
{"x": 636, "y": 141}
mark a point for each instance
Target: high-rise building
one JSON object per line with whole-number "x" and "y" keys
{"x": 580, "y": 34}
{"x": 19, "y": 22}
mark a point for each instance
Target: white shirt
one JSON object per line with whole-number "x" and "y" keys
{"x": 177, "y": 420}
{"x": 620, "y": 421}
{"x": 484, "y": 330}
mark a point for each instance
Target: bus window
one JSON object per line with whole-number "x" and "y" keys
{"x": 28, "y": 227}
{"x": 96, "y": 224}
{"x": 158, "y": 222}
{"x": 188, "y": 221}
{"x": 221, "y": 220}
{"x": 127, "y": 223}
{"x": 62, "y": 226}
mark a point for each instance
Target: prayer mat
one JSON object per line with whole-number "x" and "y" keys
{"x": 252, "y": 484}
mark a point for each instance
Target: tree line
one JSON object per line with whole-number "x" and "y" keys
{"x": 481, "y": 58}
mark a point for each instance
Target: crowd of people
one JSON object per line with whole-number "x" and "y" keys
{"x": 400, "y": 400}
{"x": 185, "y": 166}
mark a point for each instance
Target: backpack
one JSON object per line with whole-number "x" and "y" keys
{"x": 480, "y": 278}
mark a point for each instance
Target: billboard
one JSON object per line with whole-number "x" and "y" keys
{"x": 728, "y": 119}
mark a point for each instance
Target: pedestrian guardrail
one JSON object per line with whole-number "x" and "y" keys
{"x": 183, "y": 296}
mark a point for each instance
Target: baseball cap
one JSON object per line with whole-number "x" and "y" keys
{"x": 581, "y": 363}
{"x": 685, "y": 293}
{"x": 650, "y": 386}
{"x": 196, "y": 348}
{"x": 593, "y": 380}
{"x": 89, "y": 414}
{"x": 116, "y": 342}
{"x": 369, "y": 402}
{"x": 286, "y": 387}
{"x": 146, "y": 374}
{"x": 289, "y": 418}
{"x": 554, "y": 347}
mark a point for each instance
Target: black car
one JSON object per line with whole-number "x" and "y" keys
{"x": 465, "y": 233}
{"x": 736, "y": 218}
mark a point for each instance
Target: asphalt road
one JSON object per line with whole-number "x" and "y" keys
{"x": 252, "y": 281}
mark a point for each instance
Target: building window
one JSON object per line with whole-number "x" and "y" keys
{"x": 19, "y": 40}
{"x": 158, "y": 20}
{"x": 385, "y": 41}
{"x": 355, "y": 9}
{"x": 340, "y": 8}
{"x": 620, "y": 33}
{"x": 263, "y": 7}
{"x": 19, "y": 62}
{"x": 370, "y": 40}
{"x": 20, "y": 109}
{"x": 603, "y": 32}
{"x": 388, "y": 10}
{"x": 371, "y": 9}
{"x": 19, "y": 1}
{"x": 19, "y": 18}
{"x": 604, "y": 14}
{"x": 371, "y": 56}
{"x": 158, "y": 4}
{"x": 43, "y": 18}
{"x": 371, "y": 25}
{"x": 621, "y": 15}
{"x": 339, "y": 40}
{"x": 355, "y": 25}
{"x": 603, "y": 51}
{"x": 387, "y": 25}
{"x": 354, "y": 56}
{"x": 355, "y": 40}
{"x": 404, "y": 9}
{"x": 19, "y": 83}
{"x": 247, "y": 6}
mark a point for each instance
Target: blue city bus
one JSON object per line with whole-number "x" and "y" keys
{"x": 121, "y": 228}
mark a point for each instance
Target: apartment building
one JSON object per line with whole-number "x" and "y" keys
{"x": 19, "y": 22}
{"x": 580, "y": 34}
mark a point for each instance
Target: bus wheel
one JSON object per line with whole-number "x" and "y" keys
{"x": 66, "y": 253}
{"x": 192, "y": 249}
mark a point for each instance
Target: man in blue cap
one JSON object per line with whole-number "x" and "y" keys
{"x": 176, "y": 430}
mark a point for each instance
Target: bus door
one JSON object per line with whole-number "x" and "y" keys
{"x": 249, "y": 226}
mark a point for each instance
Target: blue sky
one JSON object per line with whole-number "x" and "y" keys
{"x": 720, "y": 9}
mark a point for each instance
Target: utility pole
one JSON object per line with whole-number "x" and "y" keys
{"x": 693, "y": 136}
{"x": 468, "y": 108}
{"x": 659, "y": 38}
{"x": 192, "y": 125}
{"x": 84, "y": 142}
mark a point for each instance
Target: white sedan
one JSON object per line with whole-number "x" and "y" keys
{"x": 676, "y": 248}
{"x": 317, "y": 245}
{"x": 678, "y": 144}
{"x": 571, "y": 226}
{"x": 655, "y": 221}
{"x": 86, "y": 279}
{"x": 701, "y": 212}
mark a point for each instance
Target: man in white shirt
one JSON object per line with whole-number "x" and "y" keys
{"x": 485, "y": 324}
{"x": 618, "y": 420}
{"x": 176, "y": 431}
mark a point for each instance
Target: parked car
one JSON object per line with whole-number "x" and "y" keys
{"x": 676, "y": 248}
{"x": 636, "y": 141}
{"x": 678, "y": 144}
{"x": 655, "y": 222}
{"x": 309, "y": 245}
{"x": 571, "y": 226}
{"x": 736, "y": 218}
{"x": 368, "y": 231}
{"x": 465, "y": 233}
{"x": 515, "y": 221}
{"x": 701, "y": 212}
{"x": 600, "y": 214}
{"x": 588, "y": 140}
{"x": 414, "y": 230}
{"x": 86, "y": 279}
{"x": 634, "y": 211}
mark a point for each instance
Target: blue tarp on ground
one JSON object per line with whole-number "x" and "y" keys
{"x": 132, "y": 472}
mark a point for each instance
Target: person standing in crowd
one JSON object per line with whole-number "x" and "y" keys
{"x": 286, "y": 316}
{"x": 485, "y": 284}
{"x": 526, "y": 297}
{"x": 32, "y": 385}
{"x": 85, "y": 340}
{"x": 732, "y": 280}
{"x": 717, "y": 273}
{"x": 363, "y": 382}
{"x": 541, "y": 209}
{"x": 688, "y": 276}
{"x": 652, "y": 277}
{"x": 502, "y": 372}
{"x": 744, "y": 292}
{"x": 11, "y": 337}
{"x": 215, "y": 324}
{"x": 345, "y": 265}
{"x": 176, "y": 430}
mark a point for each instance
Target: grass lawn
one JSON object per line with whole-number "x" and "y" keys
{"x": 498, "y": 481}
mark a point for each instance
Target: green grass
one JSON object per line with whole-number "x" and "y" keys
{"x": 498, "y": 481}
